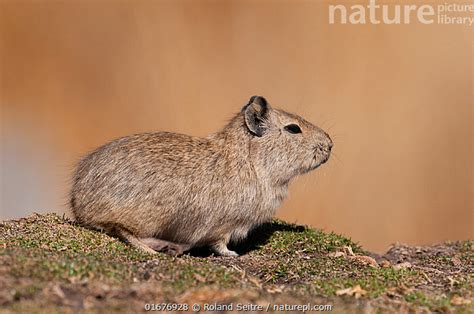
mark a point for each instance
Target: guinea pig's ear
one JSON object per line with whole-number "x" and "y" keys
{"x": 255, "y": 112}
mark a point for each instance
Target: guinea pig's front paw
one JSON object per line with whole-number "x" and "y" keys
{"x": 222, "y": 250}
{"x": 229, "y": 253}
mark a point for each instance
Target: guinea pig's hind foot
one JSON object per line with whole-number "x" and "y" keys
{"x": 167, "y": 247}
{"x": 221, "y": 249}
{"x": 133, "y": 241}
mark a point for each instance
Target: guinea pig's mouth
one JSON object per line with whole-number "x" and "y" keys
{"x": 318, "y": 159}
{"x": 325, "y": 158}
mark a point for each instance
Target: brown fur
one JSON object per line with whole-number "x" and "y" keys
{"x": 196, "y": 191}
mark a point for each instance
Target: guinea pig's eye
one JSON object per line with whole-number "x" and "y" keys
{"x": 293, "y": 128}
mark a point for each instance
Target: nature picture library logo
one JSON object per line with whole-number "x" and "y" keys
{"x": 372, "y": 13}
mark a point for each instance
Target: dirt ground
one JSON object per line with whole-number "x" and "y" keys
{"x": 49, "y": 264}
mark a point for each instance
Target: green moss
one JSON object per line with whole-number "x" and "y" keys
{"x": 47, "y": 248}
{"x": 286, "y": 239}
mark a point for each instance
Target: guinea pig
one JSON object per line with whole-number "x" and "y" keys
{"x": 170, "y": 192}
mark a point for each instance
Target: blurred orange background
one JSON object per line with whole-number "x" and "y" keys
{"x": 397, "y": 100}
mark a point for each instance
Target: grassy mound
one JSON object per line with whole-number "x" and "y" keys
{"x": 47, "y": 263}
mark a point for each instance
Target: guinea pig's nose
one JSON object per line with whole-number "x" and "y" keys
{"x": 330, "y": 144}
